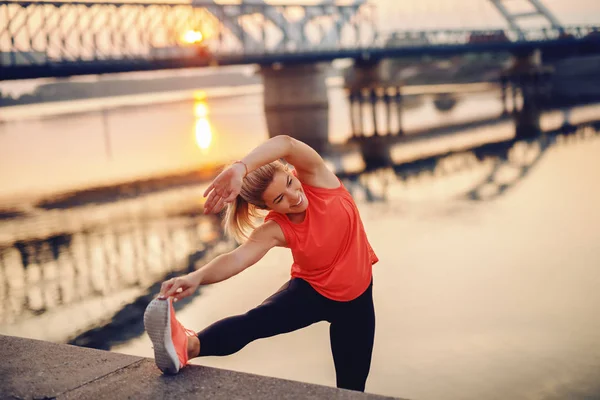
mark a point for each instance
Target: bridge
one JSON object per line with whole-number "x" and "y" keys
{"x": 64, "y": 38}
{"x": 290, "y": 43}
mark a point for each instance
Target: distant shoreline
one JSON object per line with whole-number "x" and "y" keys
{"x": 101, "y": 88}
{"x": 81, "y": 106}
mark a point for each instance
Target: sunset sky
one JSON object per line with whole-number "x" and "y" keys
{"x": 434, "y": 13}
{"x": 415, "y": 14}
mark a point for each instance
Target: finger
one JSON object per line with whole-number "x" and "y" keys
{"x": 185, "y": 293}
{"x": 164, "y": 288}
{"x": 212, "y": 209}
{"x": 219, "y": 206}
{"x": 210, "y": 203}
{"x": 210, "y": 187}
{"x": 173, "y": 289}
{"x": 213, "y": 198}
{"x": 215, "y": 184}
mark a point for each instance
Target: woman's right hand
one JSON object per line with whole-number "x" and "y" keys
{"x": 179, "y": 287}
{"x": 224, "y": 188}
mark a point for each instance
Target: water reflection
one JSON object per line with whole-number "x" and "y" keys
{"x": 67, "y": 267}
{"x": 508, "y": 162}
{"x": 202, "y": 126}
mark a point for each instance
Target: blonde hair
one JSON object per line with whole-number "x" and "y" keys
{"x": 242, "y": 213}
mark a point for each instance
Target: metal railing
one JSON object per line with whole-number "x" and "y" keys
{"x": 59, "y": 38}
{"x": 60, "y": 31}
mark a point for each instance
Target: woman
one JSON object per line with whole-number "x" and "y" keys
{"x": 312, "y": 214}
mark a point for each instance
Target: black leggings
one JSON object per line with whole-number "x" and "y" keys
{"x": 297, "y": 305}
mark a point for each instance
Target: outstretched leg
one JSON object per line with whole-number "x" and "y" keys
{"x": 296, "y": 305}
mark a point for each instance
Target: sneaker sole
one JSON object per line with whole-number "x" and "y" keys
{"x": 157, "y": 322}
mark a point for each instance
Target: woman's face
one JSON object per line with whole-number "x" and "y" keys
{"x": 285, "y": 195}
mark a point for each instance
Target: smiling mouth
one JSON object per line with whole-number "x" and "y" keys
{"x": 299, "y": 201}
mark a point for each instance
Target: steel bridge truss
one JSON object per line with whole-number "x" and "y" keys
{"x": 44, "y": 32}
{"x": 60, "y": 38}
{"x": 527, "y": 9}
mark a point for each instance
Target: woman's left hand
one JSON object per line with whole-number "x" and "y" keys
{"x": 224, "y": 188}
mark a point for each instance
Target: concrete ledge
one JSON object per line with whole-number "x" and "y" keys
{"x": 32, "y": 369}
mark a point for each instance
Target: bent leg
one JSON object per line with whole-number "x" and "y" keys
{"x": 352, "y": 333}
{"x": 296, "y": 305}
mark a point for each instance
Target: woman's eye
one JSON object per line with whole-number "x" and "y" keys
{"x": 289, "y": 183}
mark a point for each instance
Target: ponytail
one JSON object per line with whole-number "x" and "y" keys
{"x": 240, "y": 219}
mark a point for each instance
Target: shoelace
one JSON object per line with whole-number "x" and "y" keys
{"x": 189, "y": 332}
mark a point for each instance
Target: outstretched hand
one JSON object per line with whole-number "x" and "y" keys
{"x": 179, "y": 287}
{"x": 224, "y": 188}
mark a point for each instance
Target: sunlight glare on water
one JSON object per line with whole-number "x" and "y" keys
{"x": 203, "y": 128}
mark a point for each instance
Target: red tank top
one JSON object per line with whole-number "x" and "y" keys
{"x": 330, "y": 247}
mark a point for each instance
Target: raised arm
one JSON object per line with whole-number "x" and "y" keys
{"x": 223, "y": 267}
{"x": 308, "y": 163}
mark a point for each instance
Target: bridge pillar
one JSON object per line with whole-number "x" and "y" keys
{"x": 527, "y": 77}
{"x": 504, "y": 95}
{"x": 375, "y": 152}
{"x": 373, "y": 97}
{"x": 364, "y": 74}
{"x": 296, "y": 103}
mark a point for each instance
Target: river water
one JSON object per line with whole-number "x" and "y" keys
{"x": 487, "y": 285}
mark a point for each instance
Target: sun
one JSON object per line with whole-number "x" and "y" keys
{"x": 192, "y": 37}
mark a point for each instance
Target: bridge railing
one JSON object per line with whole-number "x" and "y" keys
{"x": 449, "y": 37}
{"x": 43, "y": 32}
{"x": 61, "y": 38}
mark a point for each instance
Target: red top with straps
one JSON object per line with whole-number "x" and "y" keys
{"x": 330, "y": 247}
